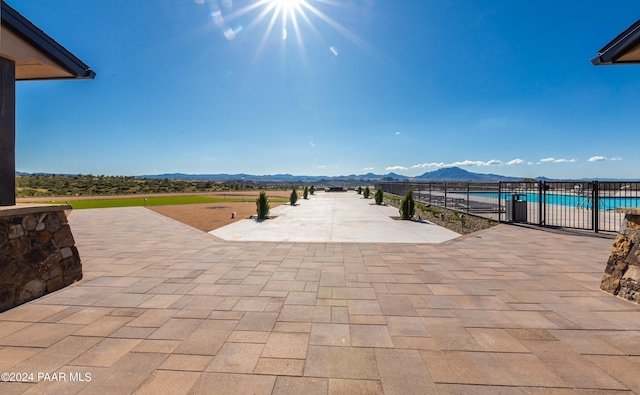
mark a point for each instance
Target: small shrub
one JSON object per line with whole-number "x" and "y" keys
{"x": 293, "y": 198}
{"x": 312, "y": 189}
{"x": 408, "y": 206}
{"x": 366, "y": 193}
{"x": 359, "y": 190}
{"x": 262, "y": 205}
{"x": 305, "y": 193}
{"x": 379, "y": 196}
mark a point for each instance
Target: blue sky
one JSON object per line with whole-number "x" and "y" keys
{"x": 214, "y": 86}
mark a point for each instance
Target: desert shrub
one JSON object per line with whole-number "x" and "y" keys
{"x": 379, "y": 196}
{"x": 305, "y": 194}
{"x": 262, "y": 205}
{"x": 366, "y": 193}
{"x": 359, "y": 190}
{"x": 294, "y": 196}
{"x": 408, "y": 206}
{"x": 394, "y": 199}
{"x": 312, "y": 189}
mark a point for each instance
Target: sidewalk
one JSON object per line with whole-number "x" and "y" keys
{"x": 335, "y": 217}
{"x": 167, "y": 309}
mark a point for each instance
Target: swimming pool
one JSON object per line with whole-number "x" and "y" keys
{"x": 604, "y": 203}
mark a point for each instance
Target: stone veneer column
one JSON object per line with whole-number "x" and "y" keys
{"x": 622, "y": 274}
{"x": 37, "y": 253}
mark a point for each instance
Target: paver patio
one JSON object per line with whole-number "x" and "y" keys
{"x": 165, "y": 308}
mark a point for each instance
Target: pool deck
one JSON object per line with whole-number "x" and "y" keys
{"x": 335, "y": 217}
{"x": 166, "y": 308}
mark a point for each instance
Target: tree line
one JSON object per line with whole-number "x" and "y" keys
{"x": 89, "y": 185}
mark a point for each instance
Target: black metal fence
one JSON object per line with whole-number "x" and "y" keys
{"x": 567, "y": 204}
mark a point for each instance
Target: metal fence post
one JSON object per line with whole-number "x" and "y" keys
{"x": 499, "y": 201}
{"x": 540, "y": 187}
{"x": 468, "y": 197}
{"x": 445, "y": 195}
{"x": 595, "y": 206}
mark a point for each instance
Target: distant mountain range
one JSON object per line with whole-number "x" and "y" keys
{"x": 444, "y": 174}
{"x": 450, "y": 173}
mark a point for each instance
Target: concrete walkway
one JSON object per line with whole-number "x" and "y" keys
{"x": 335, "y": 217}
{"x": 167, "y": 309}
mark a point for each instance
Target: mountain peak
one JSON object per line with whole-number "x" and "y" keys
{"x": 458, "y": 174}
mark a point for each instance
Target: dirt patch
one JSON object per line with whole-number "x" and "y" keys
{"x": 209, "y": 216}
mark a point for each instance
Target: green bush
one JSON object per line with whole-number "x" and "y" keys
{"x": 262, "y": 205}
{"x": 359, "y": 190}
{"x": 408, "y": 206}
{"x": 294, "y": 196}
{"x": 379, "y": 196}
{"x": 366, "y": 193}
{"x": 305, "y": 194}
{"x": 312, "y": 189}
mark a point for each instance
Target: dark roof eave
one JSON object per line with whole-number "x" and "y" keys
{"x": 40, "y": 40}
{"x": 618, "y": 47}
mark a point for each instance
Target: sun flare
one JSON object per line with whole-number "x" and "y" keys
{"x": 286, "y": 4}
{"x": 290, "y": 18}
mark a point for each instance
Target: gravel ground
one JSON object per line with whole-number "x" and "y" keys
{"x": 208, "y": 216}
{"x": 450, "y": 220}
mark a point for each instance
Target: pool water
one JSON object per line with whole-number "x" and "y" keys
{"x": 604, "y": 203}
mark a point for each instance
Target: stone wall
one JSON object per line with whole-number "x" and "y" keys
{"x": 37, "y": 253}
{"x": 622, "y": 274}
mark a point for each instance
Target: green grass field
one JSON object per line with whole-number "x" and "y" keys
{"x": 154, "y": 201}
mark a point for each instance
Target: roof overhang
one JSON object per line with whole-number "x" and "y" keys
{"x": 36, "y": 55}
{"x": 624, "y": 49}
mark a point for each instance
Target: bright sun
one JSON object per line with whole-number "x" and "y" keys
{"x": 287, "y": 17}
{"x": 286, "y": 4}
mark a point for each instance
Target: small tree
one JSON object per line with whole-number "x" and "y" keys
{"x": 379, "y": 196}
{"x": 262, "y": 205}
{"x": 312, "y": 189}
{"x": 408, "y": 206}
{"x": 359, "y": 190}
{"x": 305, "y": 194}
{"x": 366, "y": 193}
{"x": 294, "y": 196}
